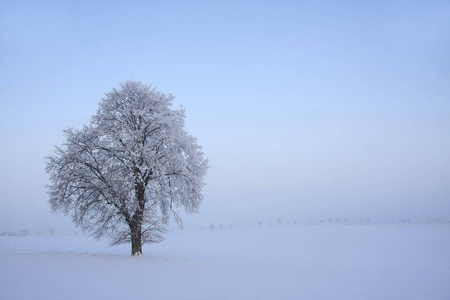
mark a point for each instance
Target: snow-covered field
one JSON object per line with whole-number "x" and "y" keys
{"x": 304, "y": 262}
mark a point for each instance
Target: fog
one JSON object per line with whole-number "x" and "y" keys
{"x": 306, "y": 110}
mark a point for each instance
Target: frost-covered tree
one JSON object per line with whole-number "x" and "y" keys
{"x": 124, "y": 174}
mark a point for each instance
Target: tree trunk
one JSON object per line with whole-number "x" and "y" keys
{"x": 136, "y": 241}
{"x": 136, "y": 221}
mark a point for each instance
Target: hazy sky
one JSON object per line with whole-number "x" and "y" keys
{"x": 305, "y": 109}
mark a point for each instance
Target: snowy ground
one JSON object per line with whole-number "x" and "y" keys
{"x": 304, "y": 262}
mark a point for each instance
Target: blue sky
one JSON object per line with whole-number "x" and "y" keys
{"x": 306, "y": 109}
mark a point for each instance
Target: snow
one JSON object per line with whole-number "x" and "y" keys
{"x": 302, "y": 262}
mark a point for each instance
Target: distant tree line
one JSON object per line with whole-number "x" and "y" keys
{"x": 26, "y": 232}
{"x": 327, "y": 221}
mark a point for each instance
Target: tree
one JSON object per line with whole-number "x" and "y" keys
{"x": 24, "y": 232}
{"x": 52, "y": 231}
{"x": 124, "y": 174}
